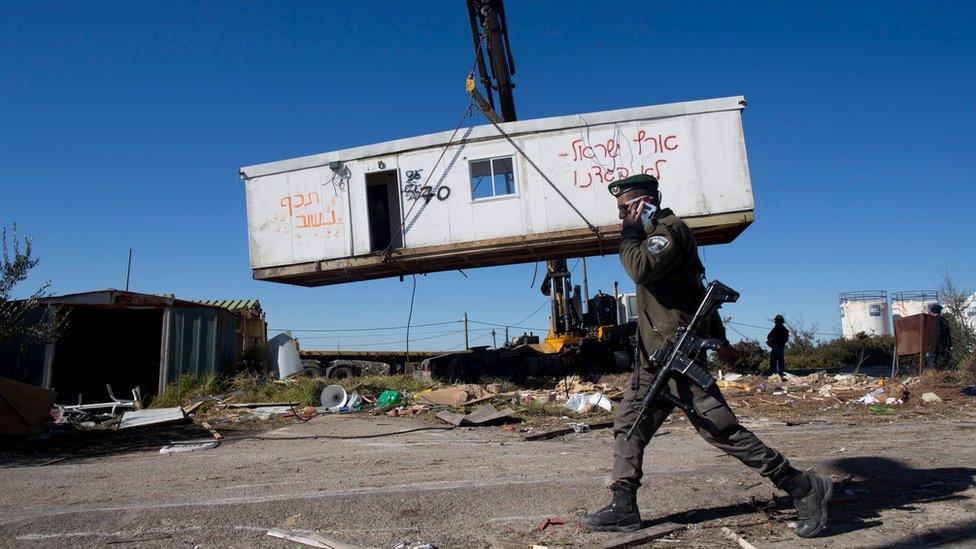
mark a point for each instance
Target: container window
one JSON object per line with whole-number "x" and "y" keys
{"x": 492, "y": 177}
{"x": 874, "y": 310}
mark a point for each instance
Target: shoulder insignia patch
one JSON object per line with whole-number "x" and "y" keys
{"x": 657, "y": 244}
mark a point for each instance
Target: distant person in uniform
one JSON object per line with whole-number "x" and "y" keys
{"x": 660, "y": 254}
{"x": 943, "y": 338}
{"x": 776, "y": 340}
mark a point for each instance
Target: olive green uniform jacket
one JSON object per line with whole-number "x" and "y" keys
{"x": 663, "y": 262}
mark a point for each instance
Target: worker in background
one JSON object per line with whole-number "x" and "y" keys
{"x": 776, "y": 339}
{"x": 943, "y": 339}
{"x": 659, "y": 253}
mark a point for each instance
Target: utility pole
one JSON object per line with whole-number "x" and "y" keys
{"x": 128, "y": 271}
{"x": 466, "y": 331}
{"x": 586, "y": 288}
{"x": 506, "y": 335}
{"x": 494, "y": 343}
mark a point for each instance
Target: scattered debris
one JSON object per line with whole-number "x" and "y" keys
{"x": 931, "y": 397}
{"x": 485, "y": 415}
{"x": 459, "y": 395}
{"x": 583, "y": 402}
{"x": 189, "y": 446}
{"x": 575, "y": 384}
{"x": 575, "y": 428}
{"x": 213, "y": 432}
{"x": 642, "y": 536}
{"x": 418, "y": 545}
{"x": 872, "y": 397}
{"x": 737, "y": 538}
{"x": 388, "y": 399}
{"x": 256, "y": 404}
{"x": 968, "y": 391}
{"x": 153, "y": 416}
{"x": 311, "y": 539}
{"x": 334, "y": 397}
{"x": 406, "y": 411}
{"x": 265, "y": 412}
{"x": 551, "y": 521}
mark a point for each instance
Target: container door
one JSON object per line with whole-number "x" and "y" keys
{"x": 383, "y": 207}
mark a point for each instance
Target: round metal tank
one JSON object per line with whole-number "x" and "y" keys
{"x": 865, "y": 311}
{"x": 913, "y": 302}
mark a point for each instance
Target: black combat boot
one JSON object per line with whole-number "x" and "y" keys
{"x": 811, "y": 504}
{"x": 620, "y": 516}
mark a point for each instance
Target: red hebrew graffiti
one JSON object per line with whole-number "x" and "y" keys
{"x": 313, "y": 218}
{"x": 601, "y": 162}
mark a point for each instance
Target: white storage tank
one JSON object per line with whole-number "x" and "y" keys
{"x": 912, "y": 302}
{"x": 441, "y": 204}
{"x": 969, "y": 312}
{"x": 865, "y": 311}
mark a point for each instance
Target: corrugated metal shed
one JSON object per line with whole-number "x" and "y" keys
{"x": 128, "y": 338}
{"x": 202, "y": 340}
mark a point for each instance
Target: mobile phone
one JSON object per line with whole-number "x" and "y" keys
{"x": 647, "y": 211}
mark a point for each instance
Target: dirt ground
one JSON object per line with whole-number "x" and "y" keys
{"x": 903, "y": 479}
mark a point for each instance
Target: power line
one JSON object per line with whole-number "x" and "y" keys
{"x": 375, "y": 344}
{"x": 506, "y": 325}
{"x": 363, "y": 329}
{"x": 360, "y": 336}
{"x": 765, "y": 327}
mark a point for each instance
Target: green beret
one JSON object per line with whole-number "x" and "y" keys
{"x": 641, "y": 181}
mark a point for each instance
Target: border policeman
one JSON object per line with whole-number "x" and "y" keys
{"x": 659, "y": 253}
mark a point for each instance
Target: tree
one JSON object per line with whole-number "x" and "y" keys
{"x": 802, "y": 338}
{"x": 23, "y": 322}
{"x": 956, "y": 301}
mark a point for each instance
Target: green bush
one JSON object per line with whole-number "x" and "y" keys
{"x": 809, "y": 354}
{"x": 752, "y": 357}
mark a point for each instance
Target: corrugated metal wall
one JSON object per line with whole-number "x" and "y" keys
{"x": 202, "y": 340}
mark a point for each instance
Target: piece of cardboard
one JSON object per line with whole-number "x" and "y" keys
{"x": 24, "y": 407}
{"x": 485, "y": 415}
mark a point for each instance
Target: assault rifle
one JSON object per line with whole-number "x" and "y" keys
{"x": 680, "y": 358}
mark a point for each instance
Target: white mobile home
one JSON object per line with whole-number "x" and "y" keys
{"x": 439, "y": 204}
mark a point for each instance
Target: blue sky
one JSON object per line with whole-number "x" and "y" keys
{"x": 124, "y": 125}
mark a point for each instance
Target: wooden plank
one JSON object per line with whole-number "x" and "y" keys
{"x": 642, "y": 536}
{"x": 311, "y": 539}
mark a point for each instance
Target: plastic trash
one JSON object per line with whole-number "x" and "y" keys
{"x": 599, "y": 399}
{"x": 931, "y": 397}
{"x": 353, "y": 404}
{"x": 334, "y": 397}
{"x": 872, "y": 397}
{"x": 577, "y": 401}
{"x": 388, "y": 399}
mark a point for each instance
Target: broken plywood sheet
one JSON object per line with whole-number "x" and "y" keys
{"x": 485, "y": 415}
{"x": 152, "y": 416}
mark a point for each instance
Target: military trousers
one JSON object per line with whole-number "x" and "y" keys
{"x": 713, "y": 419}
